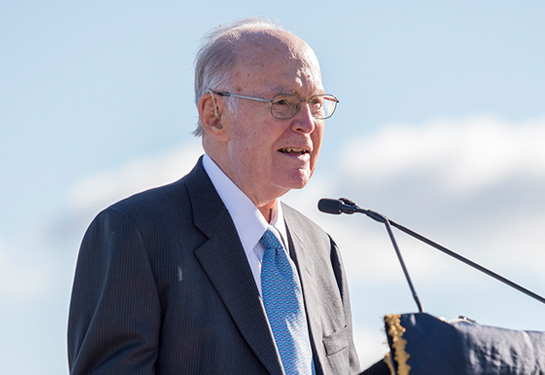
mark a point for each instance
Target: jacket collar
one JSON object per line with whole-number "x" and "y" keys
{"x": 224, "y": 261}
{"x": 302, "y": 251}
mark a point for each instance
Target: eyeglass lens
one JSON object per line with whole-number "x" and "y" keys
{"x": 285, "y": 106}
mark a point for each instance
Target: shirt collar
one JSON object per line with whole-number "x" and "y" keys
{"x": 248, "y": 220}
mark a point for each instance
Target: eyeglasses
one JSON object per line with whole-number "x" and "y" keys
{"x": 285, "y": 106}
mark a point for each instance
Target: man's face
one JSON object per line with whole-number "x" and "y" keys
{"x": 270, "y": 156}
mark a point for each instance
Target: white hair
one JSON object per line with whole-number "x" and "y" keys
{"x": 217, "y": 56}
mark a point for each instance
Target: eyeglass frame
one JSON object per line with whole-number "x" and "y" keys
{"x": 270, "y": 101}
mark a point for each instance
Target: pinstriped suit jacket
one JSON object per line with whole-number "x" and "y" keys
{"x": 162, "y": 286}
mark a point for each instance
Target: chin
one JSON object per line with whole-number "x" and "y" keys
{"x": 300, "y": 180}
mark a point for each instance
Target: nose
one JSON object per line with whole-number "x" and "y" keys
{"x": 303, "y": 121}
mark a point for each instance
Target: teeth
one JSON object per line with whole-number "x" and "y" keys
{"x": 294, "y": 150}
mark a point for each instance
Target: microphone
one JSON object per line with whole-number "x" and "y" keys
{"x": 337, "y": 206}
{"x": 330, "y": 206}
{"x": 346, "y": 206}
{"x": 343, "y": 205}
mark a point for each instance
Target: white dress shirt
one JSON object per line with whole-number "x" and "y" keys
{"x": 249, "y": 222}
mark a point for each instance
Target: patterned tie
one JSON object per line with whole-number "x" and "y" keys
{"x": 283, "y": 301}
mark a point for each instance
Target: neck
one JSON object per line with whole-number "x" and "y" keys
{"x": 266, "y": 210}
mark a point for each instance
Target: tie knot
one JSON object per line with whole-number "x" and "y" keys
{"x": 270, "y": 241}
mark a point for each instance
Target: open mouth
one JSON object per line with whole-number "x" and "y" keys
{"x": 294, "y": 150}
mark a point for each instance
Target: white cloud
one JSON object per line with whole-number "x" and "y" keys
{"x": 462, "y": 156}
{"x": 476, "y": 183}
{"x": 98, "y": 191}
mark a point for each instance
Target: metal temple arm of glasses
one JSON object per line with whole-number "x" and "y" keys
{"x": 242, "y": 97}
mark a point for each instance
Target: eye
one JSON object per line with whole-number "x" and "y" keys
{"x": 280, "y": 102}
{"x": 285, "y": 101}
{"x": 316, "y": 101}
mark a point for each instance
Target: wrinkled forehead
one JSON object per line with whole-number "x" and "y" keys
{"x": 277, "y": 54}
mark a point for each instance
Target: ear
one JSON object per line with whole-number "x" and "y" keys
{"x": 210, "y": 110}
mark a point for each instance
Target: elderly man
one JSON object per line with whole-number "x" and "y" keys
{"x": 212, "y": 274}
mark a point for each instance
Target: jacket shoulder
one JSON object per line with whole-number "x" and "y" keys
{"x": 299, "y": 222}
{"x": 163, "y": 199}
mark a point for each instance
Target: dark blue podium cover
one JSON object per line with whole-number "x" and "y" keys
{"x": 421, "y": 344}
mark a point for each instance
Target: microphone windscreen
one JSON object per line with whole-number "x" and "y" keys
{"x": 330, "y": 206}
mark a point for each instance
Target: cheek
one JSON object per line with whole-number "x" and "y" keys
{"x": 251, "y": 150}
{"x": 243, "y": 139}
{"x": 317, "y": 141}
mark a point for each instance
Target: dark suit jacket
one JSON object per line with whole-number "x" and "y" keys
{"x": 163, "y": 286}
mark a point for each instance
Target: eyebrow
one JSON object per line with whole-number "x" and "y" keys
{"x": 281, "y": 90}
{"x": 277, "y": 90}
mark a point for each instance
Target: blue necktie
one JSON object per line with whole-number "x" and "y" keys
{"x": 283, "y": 301}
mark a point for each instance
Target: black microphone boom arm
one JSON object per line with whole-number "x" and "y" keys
{"x": 343, "y": 205}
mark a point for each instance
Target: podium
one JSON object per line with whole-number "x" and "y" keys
{"x": 421, "y": 344}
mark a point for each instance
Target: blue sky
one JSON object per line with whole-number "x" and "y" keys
{"x": 439, "y": 127}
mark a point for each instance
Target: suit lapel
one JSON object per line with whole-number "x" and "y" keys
{"x": 224, "y": 261}
{"x": 303, "y": 251}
